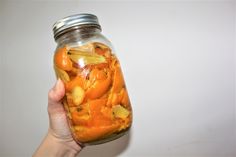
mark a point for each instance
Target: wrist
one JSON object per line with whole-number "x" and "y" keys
{"x": 66, "y": 144}
{"x": 52, "y": 146}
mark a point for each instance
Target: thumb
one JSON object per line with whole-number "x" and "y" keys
{"x": 54, "y": 97}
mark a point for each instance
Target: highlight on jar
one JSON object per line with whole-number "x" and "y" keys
{"x": 96, "y": 101}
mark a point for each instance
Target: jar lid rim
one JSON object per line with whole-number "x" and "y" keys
{"x": 75, "y": 20}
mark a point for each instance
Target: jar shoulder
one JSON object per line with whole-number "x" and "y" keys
{"x": 77, "y": 42}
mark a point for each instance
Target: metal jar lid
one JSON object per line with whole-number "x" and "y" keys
{"x": 74, "y": 21}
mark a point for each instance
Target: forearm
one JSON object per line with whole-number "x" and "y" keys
{"x": 54, "y": 147}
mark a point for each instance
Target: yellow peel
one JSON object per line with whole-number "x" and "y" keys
{"x": 77, "y": 95}
{"x": 120, "y": 112}
{"x": 61, "y": 74}
{"x": 85, "y": 58}
{"x": 89, "y": 48}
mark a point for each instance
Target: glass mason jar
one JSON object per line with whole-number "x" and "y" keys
{"x": 96, "y": 100}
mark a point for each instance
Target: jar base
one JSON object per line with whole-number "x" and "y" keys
{"x": 112, "y": 137}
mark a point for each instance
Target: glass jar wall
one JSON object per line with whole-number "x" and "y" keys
{"x": 96, "y": 100}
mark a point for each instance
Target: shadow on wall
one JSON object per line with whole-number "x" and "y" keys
{"x": 110, "y": 149}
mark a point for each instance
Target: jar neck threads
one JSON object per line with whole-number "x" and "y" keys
{"x": 76, "y": 34}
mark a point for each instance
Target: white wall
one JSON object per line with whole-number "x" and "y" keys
{"x": 179, "y": 64}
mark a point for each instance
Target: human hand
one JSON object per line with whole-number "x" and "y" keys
{"x": 59, "y": 141}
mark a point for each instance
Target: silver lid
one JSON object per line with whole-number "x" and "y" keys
{"x": 74, "y": 21}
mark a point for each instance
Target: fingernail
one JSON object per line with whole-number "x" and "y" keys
{"x": 56, "y": 84}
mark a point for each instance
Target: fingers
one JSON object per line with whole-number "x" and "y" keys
{"x": 54, "y": 97}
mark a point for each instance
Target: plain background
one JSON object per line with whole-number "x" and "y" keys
{"x": 178, "y": 58}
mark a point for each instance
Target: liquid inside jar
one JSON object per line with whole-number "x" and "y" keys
{"x": 96, "y": 100}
